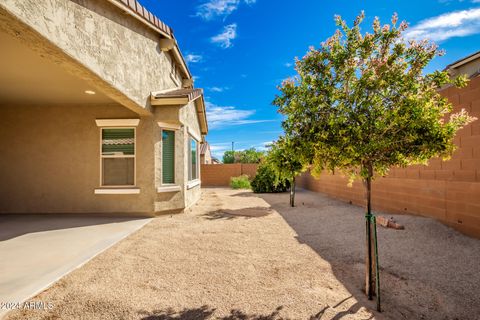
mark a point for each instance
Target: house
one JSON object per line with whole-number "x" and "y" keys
{"x": 205, "y": 154}
{"x": 98, "y": 110}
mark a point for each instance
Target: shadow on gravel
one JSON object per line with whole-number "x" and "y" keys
{"x": 227, "y": 214}
{"x": 427, "y": 271}
{"x": 206, "y": 312}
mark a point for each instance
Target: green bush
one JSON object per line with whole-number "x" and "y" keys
{"x": 264, "y": 181}
{"x": 240, "y": 182}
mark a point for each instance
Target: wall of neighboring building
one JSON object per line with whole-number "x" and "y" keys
{"x": 103, "y": 45}
{"x": 445, "y": 190}
{"x": 206, "y": 157}
{"x": 218, "y": 175}
{"x": 50, "y": 160}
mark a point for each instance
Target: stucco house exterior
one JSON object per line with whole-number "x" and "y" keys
{"x": 98, "y": 112}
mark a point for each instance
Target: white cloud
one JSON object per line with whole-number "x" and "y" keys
{"x": 449, "y": 1}
{"x": 219, "y": 8}
{"x": 224, "y": 116}
{"x": 218, "y": 89}
{"x": 264, "y": 146}
{"x": 193, "y": 58}
{"x": 288, "y": 64}
{"x": 448, "y": 25}
{"x": 224, "y": 39}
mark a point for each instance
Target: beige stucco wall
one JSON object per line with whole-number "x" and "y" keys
{"x": 51, "y": 161}
{"x": 169, "y": 201}
{"x": 188, "y": 116}
{"x": 97, "y": 42}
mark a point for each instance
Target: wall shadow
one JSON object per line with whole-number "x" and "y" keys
{"x": 16, "y": 225}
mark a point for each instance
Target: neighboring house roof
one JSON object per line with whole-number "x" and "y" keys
{"x": 464, "y": 61}
{"x": 139, "y": 12}
{"x": 182, "y": 97}
{"x": 204, "y": 147}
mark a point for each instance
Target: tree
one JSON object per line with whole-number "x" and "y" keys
{"x": 229, "y": 157}
{"x": 246, "y": 156}
{"x": 363, "y": 104}
{"x": 285, "y": 159}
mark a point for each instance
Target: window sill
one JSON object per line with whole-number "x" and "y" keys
{"x": 193, "y": 184}
{"x": 168, "y": 189}
{"x": 117, "y": 191}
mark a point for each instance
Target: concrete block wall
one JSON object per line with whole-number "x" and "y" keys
{"x": 218, "y": 175}
{"x": 445, "y": 190}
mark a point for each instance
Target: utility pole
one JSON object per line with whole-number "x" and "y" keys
{"x": 233, "y": 146}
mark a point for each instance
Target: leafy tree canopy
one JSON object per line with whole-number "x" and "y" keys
{"x": 361, "y": 102}
{"x": 286, "y": 158}
{"x": 246, "y": 156}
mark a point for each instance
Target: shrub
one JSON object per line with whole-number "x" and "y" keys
{"x": 267, "y": 181}
{"x": 240, "y": 182}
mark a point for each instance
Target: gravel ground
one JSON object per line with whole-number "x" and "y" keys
{"x": 236, "y": 255}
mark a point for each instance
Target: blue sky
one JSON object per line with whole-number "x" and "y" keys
{"x": 240, "y": 50}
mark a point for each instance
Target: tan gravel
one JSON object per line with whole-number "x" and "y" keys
{"x": 236, "y": 255}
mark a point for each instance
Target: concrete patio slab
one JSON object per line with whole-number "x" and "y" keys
{"x": 37, "y": 250}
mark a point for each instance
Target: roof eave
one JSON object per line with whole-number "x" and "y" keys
{"x": 202, "y": 115}
{"x": 463, "y": 61}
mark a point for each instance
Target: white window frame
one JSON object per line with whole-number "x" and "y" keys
{"x": 120, "y": 156}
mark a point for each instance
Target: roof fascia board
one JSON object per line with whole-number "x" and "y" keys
{"x": 169, "y": 101}
{"x": 124, "y": 7}
{"x": 464, "y": 61}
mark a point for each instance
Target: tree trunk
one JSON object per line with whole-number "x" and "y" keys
{"x": 292, "y": 192}
{"x": 369, "y": 263}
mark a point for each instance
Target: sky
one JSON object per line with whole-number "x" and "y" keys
{"x": 239, "y": 51}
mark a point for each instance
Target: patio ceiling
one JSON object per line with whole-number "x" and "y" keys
{"x": 28, "y": 78}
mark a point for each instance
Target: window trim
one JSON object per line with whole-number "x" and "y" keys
{"x": 117, "y": 191}
{"x": 134, "y": 156}
{"x": 162, "y": 184}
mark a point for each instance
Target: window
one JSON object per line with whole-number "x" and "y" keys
{"x": 168, "y": 157}
{"x": 192, "y": 159}
{"x": 118, "y": 157}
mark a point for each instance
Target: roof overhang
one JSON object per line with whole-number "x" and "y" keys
{"x": 175, "y": 97}
{"x": 181, "y": 97}
{"x": 464, "y": 61}
{"x": 202, "y": 115}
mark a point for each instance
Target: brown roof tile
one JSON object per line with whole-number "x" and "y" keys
{"x": 150, "y": 18}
